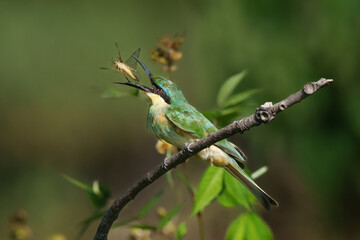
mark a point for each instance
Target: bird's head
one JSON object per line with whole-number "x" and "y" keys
{"x": 162, "y": 90}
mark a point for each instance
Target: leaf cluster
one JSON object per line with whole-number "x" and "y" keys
{"x": 230, "y": 105}
{"x": 99, "y": 195}
{"x": 217, "y": 184}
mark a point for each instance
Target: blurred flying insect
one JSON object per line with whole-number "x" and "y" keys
{"x": 127, "y": 68}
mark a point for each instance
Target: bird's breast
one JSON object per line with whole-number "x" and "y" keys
{"x": 157, "y": 121}
{"x": 157, "y": 115}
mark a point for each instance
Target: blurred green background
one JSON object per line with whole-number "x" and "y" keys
{"x": 53, "y": 120}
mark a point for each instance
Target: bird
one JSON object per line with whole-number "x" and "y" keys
{"x": 172, "y": 119}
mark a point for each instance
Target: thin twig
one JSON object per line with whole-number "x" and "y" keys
{"x": 199, "y": 214}
{"x": 264, "y": 114}
{"x": 201, "y": 225}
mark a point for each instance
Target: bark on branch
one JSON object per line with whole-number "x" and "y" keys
{"x": 264, "y": 114}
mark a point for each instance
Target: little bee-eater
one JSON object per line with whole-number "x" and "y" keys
{"x": 172, "y": 119}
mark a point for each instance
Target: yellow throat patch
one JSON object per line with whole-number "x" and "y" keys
{"x": 156, "y": 99}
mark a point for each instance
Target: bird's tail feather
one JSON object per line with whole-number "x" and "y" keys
{"x": 264, "y": 198}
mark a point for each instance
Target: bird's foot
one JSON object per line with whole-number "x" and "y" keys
{"x": 165, "y": 163}
{"x": 188, "y": 146}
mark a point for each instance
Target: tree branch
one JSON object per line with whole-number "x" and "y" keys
{"x": 264, "y": 114}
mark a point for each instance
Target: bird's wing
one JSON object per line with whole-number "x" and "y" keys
{"x": 192, "y": 121}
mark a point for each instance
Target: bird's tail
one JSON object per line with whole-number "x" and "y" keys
{"x": 264, "y": 198}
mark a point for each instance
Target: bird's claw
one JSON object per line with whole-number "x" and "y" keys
{"x": 165, "y": 163}
{"x": 187, "y": 146}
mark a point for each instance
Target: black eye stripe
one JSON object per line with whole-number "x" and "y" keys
{"x": 163, "y": 94}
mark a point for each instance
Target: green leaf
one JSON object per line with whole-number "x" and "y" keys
{"x": 124, "y": 222}
{"x": 164, "y": 220}
{"x": 257, "y": 228}
{"x": 144, "y": 210}
{"x": 227, "y": 199}
{"x": 143, "y": 226}
{"x": 211, "y": 115}
{"x": 96, "y": 215}
{"x": 231, "y": 110}
{"x": 235, "y": 193}
{"x": 113, "y": 92}
{"x": 181, "y": 231}
{"x": 86, "y": 223}
{"x": 209, "y": 187}
{"x": 248, "y": 226}
{"x": 134, "y": 93}
{"x": 228, "y": 87}
{"x": 258, "y": 173}
{"x": 78, "y": 183}
{"x": 240, "y": 97}
{"x": 99, "y": 194}
{"x": 239, "y": 191}
{"x": 237, "y": 229}
{"x": 170, "y": 179}
{"x": 185, "y": 181}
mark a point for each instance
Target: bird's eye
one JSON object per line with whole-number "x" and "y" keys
{"x": 160, "y": 90}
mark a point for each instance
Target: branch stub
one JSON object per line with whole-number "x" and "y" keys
{"x": 265, "y": 112}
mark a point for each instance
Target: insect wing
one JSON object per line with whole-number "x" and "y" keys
{"x": 131, "y": 62}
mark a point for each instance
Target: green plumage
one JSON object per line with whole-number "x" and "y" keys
{"x": 185, "y": 117}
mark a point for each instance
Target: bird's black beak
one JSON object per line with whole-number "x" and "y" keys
{"x": 146, "y": 69}
{"x": 136, "y": 85}
{"x": 150, "y": 75}
{"x": 139, "y": 86}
